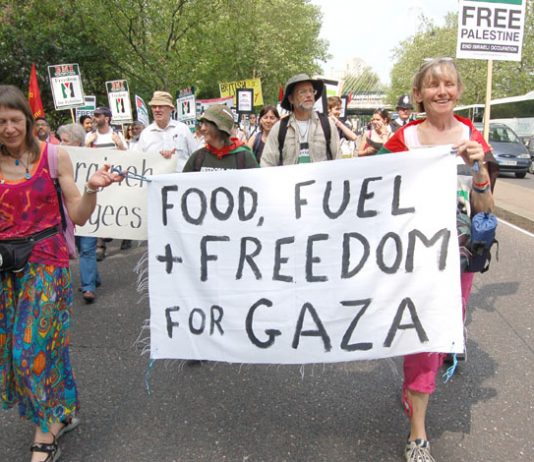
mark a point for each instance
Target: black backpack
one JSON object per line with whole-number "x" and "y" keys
{"x": 326, "y": 130}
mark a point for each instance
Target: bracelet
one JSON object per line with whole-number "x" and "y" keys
{"x": 481, "y": 185}
{"x": 89, "y": 190}
{"x": 481, "y": 190}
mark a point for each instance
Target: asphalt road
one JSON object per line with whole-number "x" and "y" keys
{"x": 333, "y": 412}
{"x": 527, "y": 182}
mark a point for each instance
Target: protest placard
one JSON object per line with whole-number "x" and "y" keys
{"x": 142, "y": 111}
{"x": 66, "y": 85}
{"x": 186, "y": 106}
{"x": 324, "y": 262}
{"x": 491, "y": 29}
{"x": 244, "y": 101}
{"x": 88, "y": 107}
{"x": 119, "y": 101}
{"x": 229, "y": 89}
{"x": 121, "y": 210}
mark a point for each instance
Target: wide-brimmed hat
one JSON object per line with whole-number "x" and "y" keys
{"x": 161, "y": 98}
{"x": 318, "y": 85}
{"x": 221, "y": 116}
{"x": 103, "y": 110}
{"x": 404, "y": 102}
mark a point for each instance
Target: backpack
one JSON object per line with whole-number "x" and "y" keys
{"x": 240, "y": 159}
{"x": 483, "y": 227}
{"x": 67, "y": 226}
{"x": 283, "y": 132}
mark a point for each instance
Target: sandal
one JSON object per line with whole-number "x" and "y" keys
{"x": 52, "y": 449}
{"x": 69, "y": 424}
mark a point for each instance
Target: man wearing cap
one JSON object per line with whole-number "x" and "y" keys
{"x": 104, "y": 136}
{"x": 404, "y": 109}
{"x": 167, "y": 136}
{"x": 307, "y": 136}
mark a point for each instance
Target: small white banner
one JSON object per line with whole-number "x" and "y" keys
{"x": 324, "y": 262}
{"x": 491, "y": 29}
{"x": 121, "y": 209}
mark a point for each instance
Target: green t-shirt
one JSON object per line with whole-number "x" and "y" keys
{"x": 210, "y": 162}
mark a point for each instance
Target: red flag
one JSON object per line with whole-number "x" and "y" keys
{"x": 34, "y": 95}
{"x": 281, "y": 93}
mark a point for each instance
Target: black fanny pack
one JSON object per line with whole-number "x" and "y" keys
{"x": 14, "y": 253}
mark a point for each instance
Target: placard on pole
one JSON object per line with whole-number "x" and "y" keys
{"x": 66, "y": 85}
{"x": 492, "y": 30}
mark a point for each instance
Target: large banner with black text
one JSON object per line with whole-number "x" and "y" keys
{"x": 333, "y": 261}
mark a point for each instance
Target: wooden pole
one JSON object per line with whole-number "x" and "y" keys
{"x": 72, "y": 115}
{"x": 487, "y": 107}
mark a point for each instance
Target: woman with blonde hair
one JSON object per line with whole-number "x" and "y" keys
{"x": 437, "y": 87}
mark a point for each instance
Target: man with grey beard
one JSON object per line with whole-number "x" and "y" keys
{"x": 304, "y": 136}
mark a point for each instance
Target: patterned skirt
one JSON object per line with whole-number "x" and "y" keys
{"x": 35, "y": 369}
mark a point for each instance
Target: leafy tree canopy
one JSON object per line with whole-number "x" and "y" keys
{"x": 160, "y": 44}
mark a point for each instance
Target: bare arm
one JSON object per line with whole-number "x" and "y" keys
{"x": 250, "y": 142}
{"x": 481, "y": 196}
{"x": 349, "y": 134}
{"x": 364, "y": 150}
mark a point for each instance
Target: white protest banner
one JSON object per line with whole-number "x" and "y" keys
{"x": 119, "y": 101}
{"x": 66, "y": 85}
{"x": 121, "y": 210}
{"x": 324, "y": 262}
{"x": 491, "y": 29}
{"x": 142, "y": 111}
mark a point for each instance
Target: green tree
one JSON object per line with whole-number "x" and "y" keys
{"x": 160, "y": 44}
{"x": 510, "y": 78}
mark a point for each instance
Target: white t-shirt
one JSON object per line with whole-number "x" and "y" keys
{"x": 104, "y": 140}
{"x": 176, "y": 135}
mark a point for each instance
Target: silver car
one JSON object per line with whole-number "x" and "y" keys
{"x": 510, "y": 152}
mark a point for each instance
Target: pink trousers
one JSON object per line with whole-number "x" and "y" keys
{"x": 420, "y": 369}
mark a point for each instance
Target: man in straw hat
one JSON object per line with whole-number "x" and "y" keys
{"x": 304, "y": 136}
{"x": 167, "y": 136}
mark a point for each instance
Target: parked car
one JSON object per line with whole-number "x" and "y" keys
{"x": 529, "y": 143}
{"x": 510, "y": 152}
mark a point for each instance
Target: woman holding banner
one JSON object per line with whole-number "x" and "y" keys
{"x": 35, "y": 285}
{"x": 436, "y": 88}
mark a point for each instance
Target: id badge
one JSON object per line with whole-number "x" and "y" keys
{"x": 304, "y": 153}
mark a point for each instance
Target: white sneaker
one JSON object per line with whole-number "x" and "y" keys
{"x": 418, "y": 451}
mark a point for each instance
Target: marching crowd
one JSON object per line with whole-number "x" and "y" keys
{"x": 35, "y": 285}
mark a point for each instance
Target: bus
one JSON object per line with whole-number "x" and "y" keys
{"x": 516, "y": 111}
